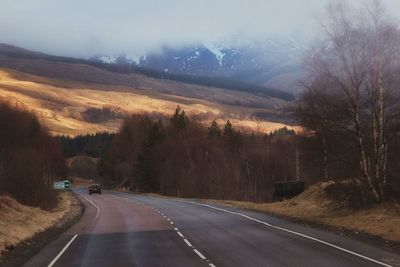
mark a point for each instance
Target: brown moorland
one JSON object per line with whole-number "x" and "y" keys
{"x": 62, "y": 94}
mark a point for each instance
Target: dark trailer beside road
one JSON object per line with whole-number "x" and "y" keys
{"x": 287, "y": 189}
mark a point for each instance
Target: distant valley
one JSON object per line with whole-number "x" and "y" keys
{"x": 75, "y": 96}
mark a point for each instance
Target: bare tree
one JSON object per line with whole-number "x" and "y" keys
{"x": 359, "y": 61}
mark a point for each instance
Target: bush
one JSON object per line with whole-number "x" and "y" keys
{"x": 348, "y": 194}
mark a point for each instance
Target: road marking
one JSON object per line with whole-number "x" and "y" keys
{"x": 91, "y": 202}
{"x": 62, "y": 251}
{"x": 180, "y": 234}
{"x": 187, "y": 242}
{"x": 295, "y": 233}
{"x": 177, "y": 230}
{"x": 199, "y": 253}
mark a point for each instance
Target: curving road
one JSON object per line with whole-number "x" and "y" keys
{"x": 121, "y": 229}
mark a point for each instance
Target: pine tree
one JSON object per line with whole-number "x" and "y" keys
{"x": 214, "y": 129}
{"x": 228, "y": 129}
{"x": 179, "y": 120}
{"x": 146, "y": 166}
{"x": 233, "y": 137}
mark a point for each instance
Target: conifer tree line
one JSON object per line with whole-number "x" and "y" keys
{"x": 182, "y": 157}
{"x": 92, "y": 145}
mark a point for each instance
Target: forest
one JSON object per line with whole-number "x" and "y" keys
{"x": 30, "y": 158}
{"x": 92, "y": 145}
{"x": 181, "y": 157}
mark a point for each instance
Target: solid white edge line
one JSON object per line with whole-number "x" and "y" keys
{"x": 296, "y": 233}
{"x": 62, "y": 251}
{"x": 91, "y": 202}
{"x": 199, "y": 253}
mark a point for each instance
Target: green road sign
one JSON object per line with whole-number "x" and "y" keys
{"x": 67, "y": 184}
{"x": 60, "y": 185}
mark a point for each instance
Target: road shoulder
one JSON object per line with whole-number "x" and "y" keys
{"x": 302, "y": 219}
{"x": 23, "y": 251}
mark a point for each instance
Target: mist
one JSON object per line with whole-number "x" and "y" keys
{"x": 84, "y": 28}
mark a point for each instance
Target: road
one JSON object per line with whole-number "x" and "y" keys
{"x": 121, "y": 229}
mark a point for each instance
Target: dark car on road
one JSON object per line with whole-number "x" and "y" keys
{"x": 94, "y": 188}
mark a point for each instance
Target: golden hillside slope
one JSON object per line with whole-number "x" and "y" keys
{"x": 60, "y": 103}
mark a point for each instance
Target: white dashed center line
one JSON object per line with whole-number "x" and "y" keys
{"x": 199, "y": 253}
{"x": 185, "y": 240}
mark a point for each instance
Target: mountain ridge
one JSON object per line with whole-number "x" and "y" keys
{"x": 251, "y": 62}
{"x": 220, "y": 82}
{"x": 65, "y": 91}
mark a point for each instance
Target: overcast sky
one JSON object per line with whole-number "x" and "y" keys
{"x": 85, "y": 27}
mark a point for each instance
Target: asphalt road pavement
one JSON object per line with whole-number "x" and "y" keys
{"x": 121, "y": 229}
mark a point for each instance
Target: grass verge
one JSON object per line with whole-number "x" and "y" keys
{"x": 25, "y": 230}
{"x": 379, "y": 224}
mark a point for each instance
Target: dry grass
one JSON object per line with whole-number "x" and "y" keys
{"x": 19, "y": 223}
{"x": 382, "y": 220}
{"x": 60, "y": 103}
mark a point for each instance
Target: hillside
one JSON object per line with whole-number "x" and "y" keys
{"x": 72, "y": 97}
{"x": 11, "y": 57}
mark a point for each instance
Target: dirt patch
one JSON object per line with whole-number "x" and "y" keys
{"x": 25, "y": 230}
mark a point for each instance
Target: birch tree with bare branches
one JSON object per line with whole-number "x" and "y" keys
{"x": 359, "y": 59}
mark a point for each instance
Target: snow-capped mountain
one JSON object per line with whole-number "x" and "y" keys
{"x": 252, "y": 61}
{"x": 115, "y": 59}
{"x": 194, "y": 59}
